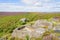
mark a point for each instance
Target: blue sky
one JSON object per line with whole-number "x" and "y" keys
{"x": 30, "y": 5}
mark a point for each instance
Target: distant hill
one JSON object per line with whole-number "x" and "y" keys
{"x": 11, "y": 13}
{"x": 16, "y": 13}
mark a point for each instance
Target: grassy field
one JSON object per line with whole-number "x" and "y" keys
{"x": 9, "y": 23}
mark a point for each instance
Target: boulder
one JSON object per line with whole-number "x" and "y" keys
{"x": 42, "y": 23}
{"x": 50, "y": 37}
{"x": 35, "y": 30}
{"x": 24, "y": 19}
{"x": 23, "y": 31}
{"x": 57, "y": 28}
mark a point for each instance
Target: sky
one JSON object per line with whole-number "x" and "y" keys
{"x": 29, "y": 5}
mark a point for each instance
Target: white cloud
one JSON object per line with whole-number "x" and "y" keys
{"x": 36, "y": 2}
{"x": 9, "y": 7}
{"x": 47, "y": 0}
{"x": 46, "y": 5}
{"x": 32, "y": 6}
{"x": 14, "y": 8}
{"x": 32, "y": 2}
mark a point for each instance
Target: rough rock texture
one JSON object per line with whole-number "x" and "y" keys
{"x": 24, "y": 19}
{"x": 42, "y": 23}
{"x": 28, "y": 31}
{"x": 56, "y": 19}
{"x": 36, "y": 30}
{"x": 57, "y": 28}
{"x": 50, "y": 37}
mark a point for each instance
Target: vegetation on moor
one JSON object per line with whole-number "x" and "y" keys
{"x": 9, "y": 22}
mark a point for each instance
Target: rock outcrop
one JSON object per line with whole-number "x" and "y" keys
{"x": 42, "y": 23}
{"x": 50, "y": 37}
{"x": 36, "y": 30}
{"x": 31, "y": 32}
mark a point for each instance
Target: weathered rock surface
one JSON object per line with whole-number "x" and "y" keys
{"x": 42, "y": 23}
{"x": 28, "y": 31}
{"x": 50, "y": 37}
{"x": 36, "y": 30}
{"x": 24, "y": 19}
